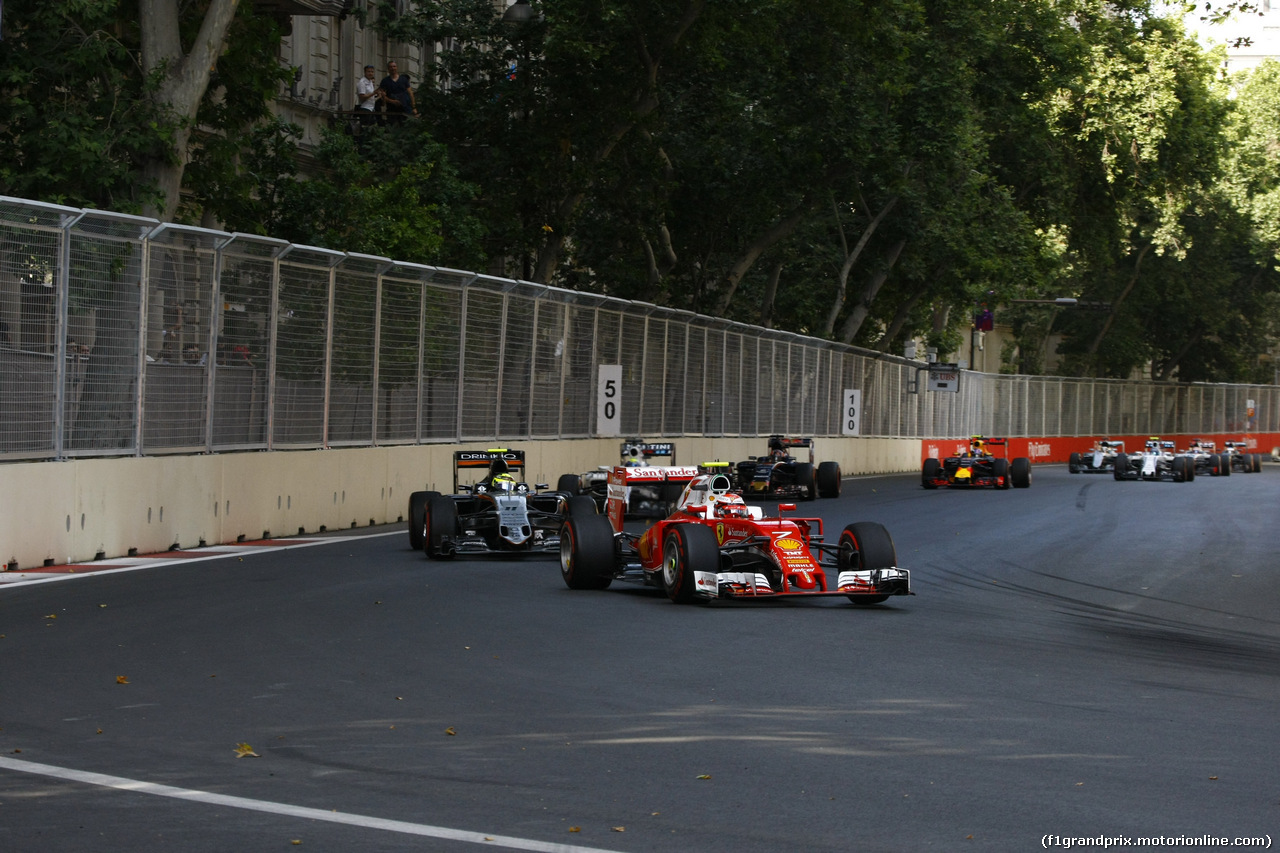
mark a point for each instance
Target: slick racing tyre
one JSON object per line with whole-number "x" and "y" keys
{"x": 1020, "y": 472}
{"x": 686, "y": 550}
{"x": 1000, "y": 468}
{"x": 866, "y": 545}
{"x": 829, "y": 480}
{"x": 932, "y": 470}
{"x": 580, "y": 505}
{"x": 418, "y": 517}
{"x": 569, "y": 483}
{"x": 587, "y": 552}
{"x": 1120, "y": 466}
{"x": 441, "y": 524}
{"x": 1224, "y": 464}
{"x": 1073, "y": 463}
{"x": 805, "y": 480}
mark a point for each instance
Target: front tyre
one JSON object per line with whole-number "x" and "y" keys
{"x": 441, "y": 524}
{"x": 570, "y": 484}
{"x": 1120, "y": 466}
{"x": 932, "y": 470}
{"x": 687, "y": 549}
{"x": 1073, "y": 463}
{"x": 866, "y": 545}
{"x": 805, "y": 480}
{"x": 1020, "y": 472}
{"x": 587, "y": 552}
{"x": 418, "y": 517}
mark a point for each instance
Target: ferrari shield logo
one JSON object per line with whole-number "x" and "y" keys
{"x": 720, "y": 533}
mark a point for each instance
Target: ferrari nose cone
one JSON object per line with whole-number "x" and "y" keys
{"x": 802, "y": 580}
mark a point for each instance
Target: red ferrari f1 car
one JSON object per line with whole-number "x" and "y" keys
{"x": 715, "y": 546}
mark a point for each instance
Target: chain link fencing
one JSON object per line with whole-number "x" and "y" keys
{"x": 126, "y": 336}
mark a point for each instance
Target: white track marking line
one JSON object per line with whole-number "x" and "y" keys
{"x": 210, "y": 552}
{"x": 189, "y": 795}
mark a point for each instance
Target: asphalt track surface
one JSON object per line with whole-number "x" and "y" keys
{"x": 1085, "y": 658}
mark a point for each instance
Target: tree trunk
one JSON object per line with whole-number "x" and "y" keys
{"x": 770, "y": 294}
{"x": 185, "y": 79}
{"x": 842, "y": 281}
{"x": 646, "y": 101}
{"x": 1169, "y": 365}
{"x": 863, "y": 306}
{"x": 1115, "y": 307}
{"x": 900, "y": 317}
{"x": 779, "y": 230}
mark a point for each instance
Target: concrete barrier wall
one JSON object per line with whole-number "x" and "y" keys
{"x": 79, "y": 509}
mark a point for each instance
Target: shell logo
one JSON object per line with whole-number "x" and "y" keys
{"x": 788, "y": 544}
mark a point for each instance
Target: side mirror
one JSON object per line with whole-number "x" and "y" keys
{"x": 786, "y": 507}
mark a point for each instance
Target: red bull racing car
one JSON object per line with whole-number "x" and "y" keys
{"x": 715, "y": 546}
{"x": 978, "y": 468}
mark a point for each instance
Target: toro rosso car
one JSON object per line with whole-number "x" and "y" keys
{"x": 1241, "y": 459}
{"x": 1100, "y": 458}
{"x": 1158, "y": 461}
{"x": 715, "y": 546}
{"x": 497, "y": 513}
{"x": 781, "y": 474}
{"x": 978, "y": 468}
{"x": 649, "y": 494}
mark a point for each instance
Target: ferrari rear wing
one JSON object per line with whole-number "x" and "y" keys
{"x": 623, "y": 476}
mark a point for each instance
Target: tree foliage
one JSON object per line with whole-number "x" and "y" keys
{"x": 862, "y": 170}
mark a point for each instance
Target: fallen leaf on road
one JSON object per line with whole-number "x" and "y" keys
{"x": 243, "y": 750}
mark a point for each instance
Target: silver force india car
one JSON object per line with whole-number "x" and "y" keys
{"x": 782, "y": 474}
{"x": 715, "y": 546}
{"x": 1096, "y": 460}
{"x": 497, "y": 513}
{"x": 1158, "y": 461}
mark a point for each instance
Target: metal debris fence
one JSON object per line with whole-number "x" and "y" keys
{"x": 122, "y": 335}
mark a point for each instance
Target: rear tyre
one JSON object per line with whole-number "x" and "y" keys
{"x": 686, "y": 550}
{"x": 932, "y": 470}
{"x": 1020, "y": 472}
{"x": 587, "y": 552}
{"x": 441, "y": 523}
{"x": 1073, "y": 463}
{"x": 805, "y": 480}
{"x": 829, "y": 480}
{"x": 579, "y": 505}
{"x": 418, "y": 517}
{"x": 570, "y": 483}
{"x": 866, "y": 545}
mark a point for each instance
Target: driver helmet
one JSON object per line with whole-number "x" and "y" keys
{"x": 730, "y": 506}
{"x": 776, "y": 448}
{"x": 503, "y": 483}
{"x": 976, "y": 447}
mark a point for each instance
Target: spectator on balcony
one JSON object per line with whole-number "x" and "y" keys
{"x": 367, "y": 96}
{"x": 397, "y": 100}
